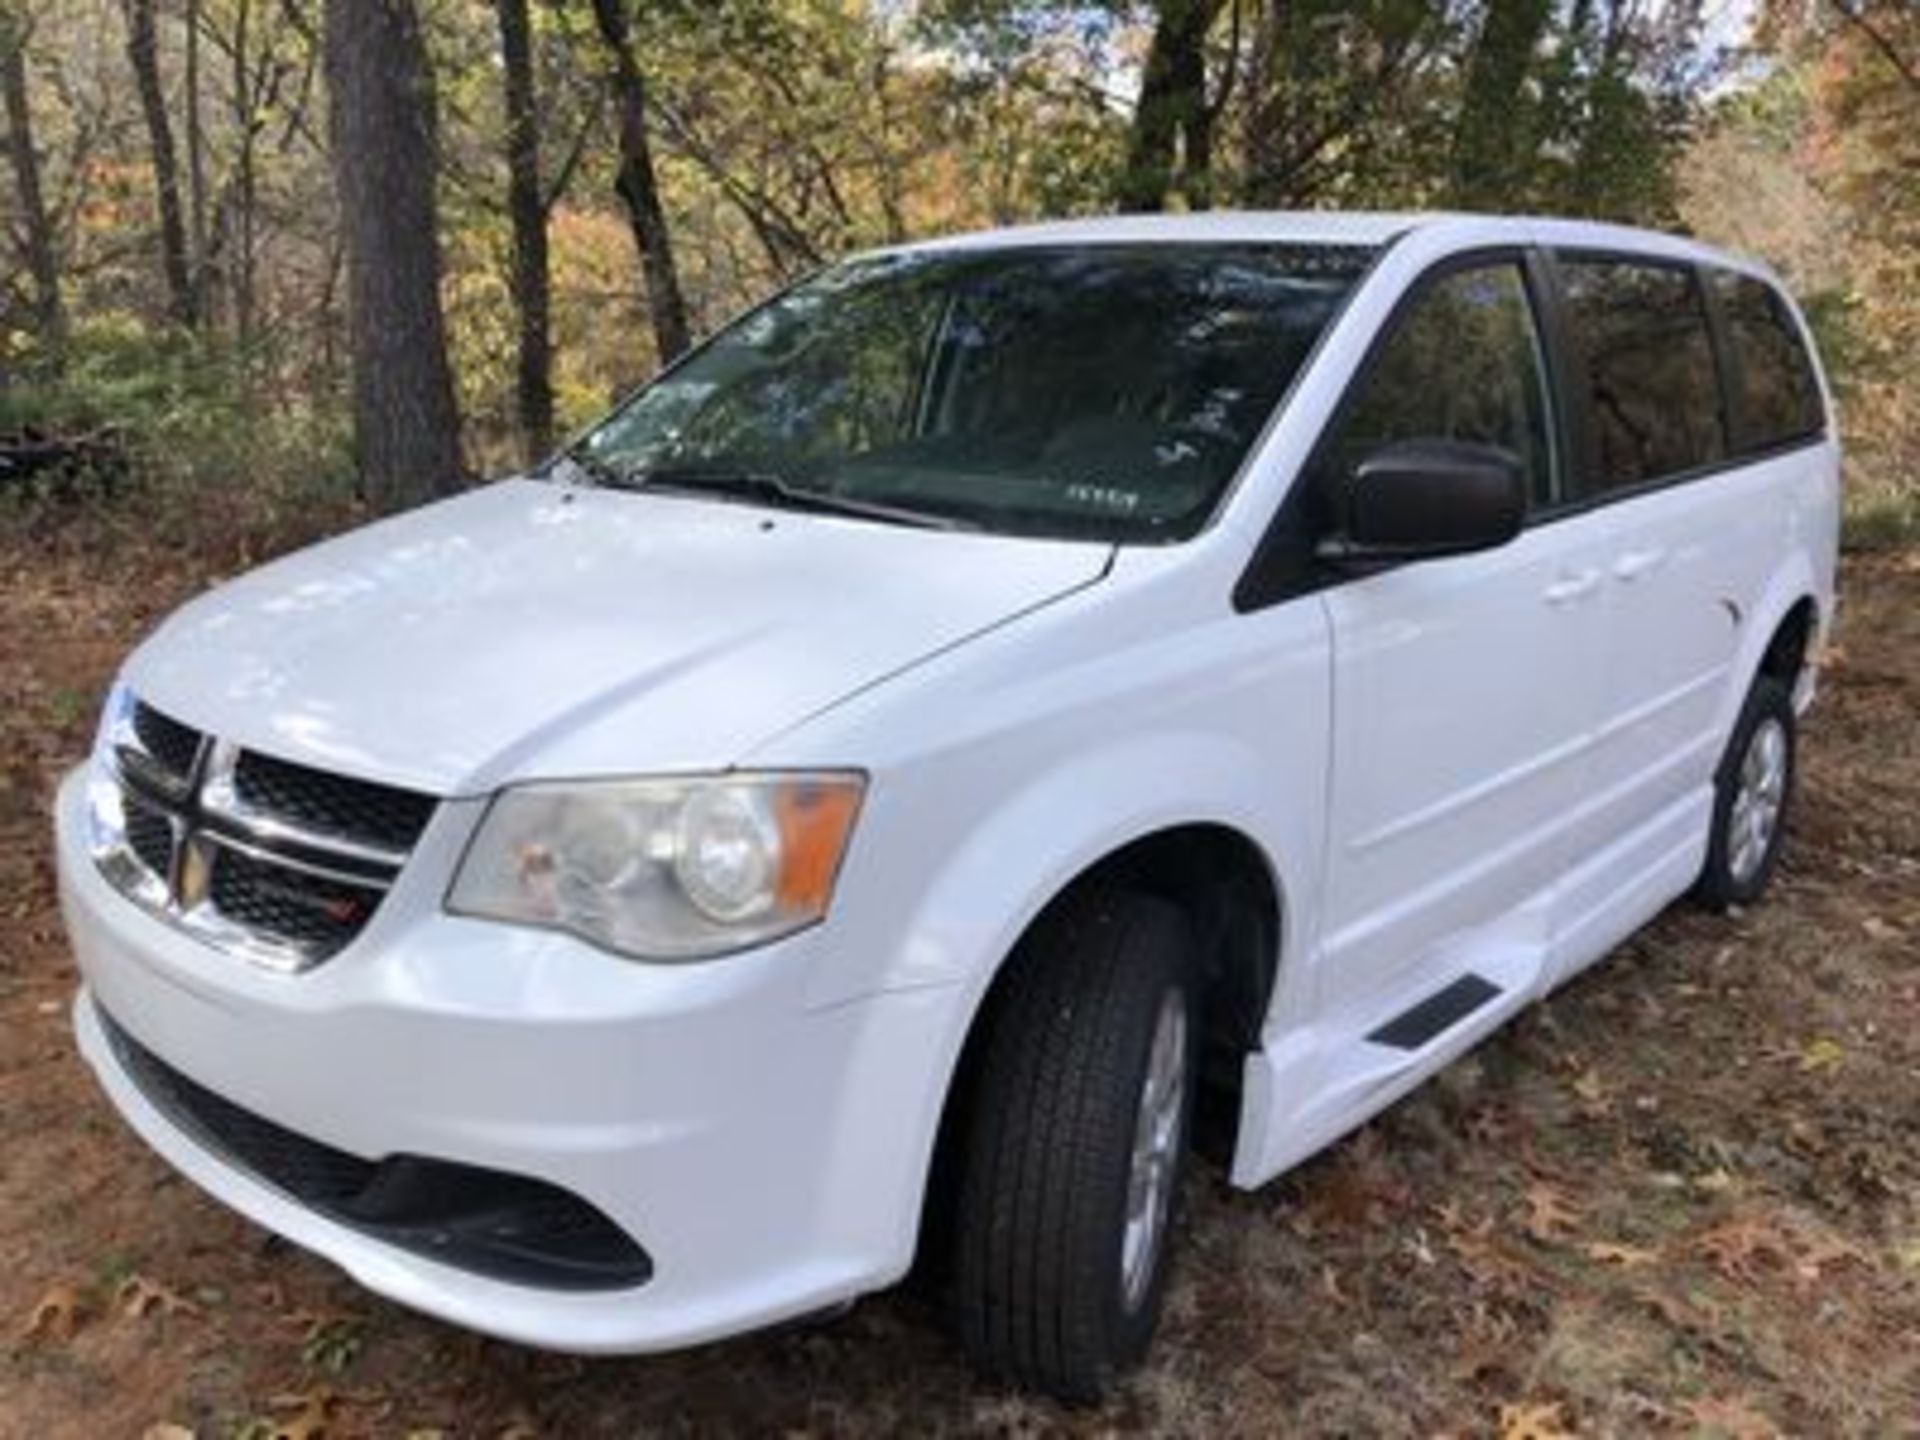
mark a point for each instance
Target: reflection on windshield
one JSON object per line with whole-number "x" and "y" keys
{"x": 1099, "y": 392}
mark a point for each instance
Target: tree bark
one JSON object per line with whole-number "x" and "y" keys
{"x": 406, "y": 427}
{"x": 196, "y": 161}
{"x": 143, "y": 53}
{"x": 42, "y": 256}
{"x": 639, "y": 188}
{"x": 241, "y": 104}
{"x": 1172, "y": 108}
{"x": 527, "y": 210}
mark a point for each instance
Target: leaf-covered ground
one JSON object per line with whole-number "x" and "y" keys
{"x": 1683, "y": 1197}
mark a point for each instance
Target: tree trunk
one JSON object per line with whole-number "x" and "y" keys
{"x": 196, "y": 163}
{"x": 527, "y": 209}
{"x": 1493, "y": 147}
{"x": 143, "y": 53}
{"x": 245, "y": 187}
{"x": 1279, "y": 49}
{"x": 638, "y": 187}
{"x": 406, "y": 428}
{"x": 1172, "y": 107}
{"x": 43, "y": 264}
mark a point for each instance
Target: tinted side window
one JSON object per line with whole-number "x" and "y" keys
{"x": 1461, "y": 363}
{"x": 1641, "y": 331}
{"x": 1779, "y": 399}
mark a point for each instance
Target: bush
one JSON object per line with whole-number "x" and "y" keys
{"x": 171, "y": 434}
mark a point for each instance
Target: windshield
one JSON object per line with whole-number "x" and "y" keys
{"x": 1099, "y": 392}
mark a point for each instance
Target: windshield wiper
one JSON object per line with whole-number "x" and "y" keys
{"x": 762, "y": 487}
{"x": 597, "y": 471}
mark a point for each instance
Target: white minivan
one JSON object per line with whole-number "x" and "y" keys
{"x": 1000, "y": 702}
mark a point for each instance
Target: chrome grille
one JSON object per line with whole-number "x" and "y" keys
{"x": 276, "y": 861}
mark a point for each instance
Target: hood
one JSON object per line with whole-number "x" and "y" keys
{"x": 525, "y": 630}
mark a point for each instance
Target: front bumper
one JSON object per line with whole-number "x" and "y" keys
{"x": 768, "y": 1156}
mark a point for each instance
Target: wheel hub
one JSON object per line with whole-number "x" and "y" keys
{"x": 1759, "y": 797}
{"x": 1156, "y": 1151}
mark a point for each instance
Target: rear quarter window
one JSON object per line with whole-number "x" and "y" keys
{"x": 1777, "y": 399}
{"x": 1646, "y": 356}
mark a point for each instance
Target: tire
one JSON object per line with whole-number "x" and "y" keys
{"x": 1740, "y": 863}
{"x": 1047, "y": 1292}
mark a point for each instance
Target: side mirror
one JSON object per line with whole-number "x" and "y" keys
{"x": 1420, "y": 499}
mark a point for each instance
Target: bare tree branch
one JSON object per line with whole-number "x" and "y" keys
{"x": 570, "y": 162}
{"x": 1857, "y": 17}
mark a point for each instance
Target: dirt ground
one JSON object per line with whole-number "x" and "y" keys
{"x": 1683, "y": 1197}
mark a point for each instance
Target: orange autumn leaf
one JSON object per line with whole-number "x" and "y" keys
{"x": 1534, "y": 1422}
{"x": 1552, "y": 1215}
{"x": 139, "y": 1296}
{"x": 56, "y": 1316}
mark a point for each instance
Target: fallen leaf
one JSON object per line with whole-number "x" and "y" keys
{"x": 307, "y": 1414}
{"x": 310, "y": 1414}
{"x": 1489, "y": 1344}
{"x": 1487, "y": 1258}
{"x": 1716, "y": 1181}
{"x": 57, "y": 1315}
{"x": 166, "y": 1430}
{"x": 1419, "y": 1247}
{"x": 1818, "y": 1256}
{"x": 1822, "y": 1054}
{"x": 1330, "y": 1285}
{"x": 1595, "y": 1102}
{"x": 1731, "y": 1419}
{"x": 1533, "y": 1422}
{"x": 1552, "y": 1216}
{"x": 1627, "y": 1256}
{"x": 140, "y": 1296}
{"x": 1879, "y": 929}
{"x": 1742, "y": 1248}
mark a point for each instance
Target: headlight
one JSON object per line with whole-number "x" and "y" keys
{"x": 662, "y": 869}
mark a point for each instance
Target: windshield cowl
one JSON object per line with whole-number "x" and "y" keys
{"x": 760, "y": 487}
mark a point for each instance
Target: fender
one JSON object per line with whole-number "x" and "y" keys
{"x": 1031, "y": 845}
{"x": 1017, "y": 858}
{"x": 1793, "y": 582}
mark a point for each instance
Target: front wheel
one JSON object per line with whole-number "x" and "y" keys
{"x": 1075, "y": 1146}
{"x": 1751, "y": 792}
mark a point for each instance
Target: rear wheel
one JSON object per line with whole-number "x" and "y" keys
{"x": 1751, "y": 794}
{"x": 1075, "y": 1144}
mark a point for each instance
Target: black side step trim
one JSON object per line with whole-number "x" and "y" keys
{"x": 1412, "y": 1028}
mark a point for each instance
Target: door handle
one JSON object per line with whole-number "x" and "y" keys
{"x": 1635, "y": 563}
{"x": 1569, "y": 588}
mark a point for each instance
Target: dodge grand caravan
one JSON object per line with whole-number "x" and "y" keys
{"x": 996, "y": 711}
